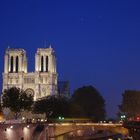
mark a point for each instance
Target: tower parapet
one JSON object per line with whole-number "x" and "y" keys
{"x": 45, "y": 60}
{"x": 15, "y": 61}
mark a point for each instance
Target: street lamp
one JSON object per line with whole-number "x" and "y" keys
{"x": 61, "y": 118}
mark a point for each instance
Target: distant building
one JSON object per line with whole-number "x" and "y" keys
{"x": 63, "y": 88}
{"x": 41, "y": 83}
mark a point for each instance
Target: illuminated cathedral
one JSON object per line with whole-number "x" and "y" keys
{"x": 40, "y": 83}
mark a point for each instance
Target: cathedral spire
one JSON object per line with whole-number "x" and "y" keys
{"x": 8, "y": 47}
{"x": 50, "y": 46}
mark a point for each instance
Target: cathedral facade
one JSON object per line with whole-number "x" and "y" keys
{"x": 40, "y": 83}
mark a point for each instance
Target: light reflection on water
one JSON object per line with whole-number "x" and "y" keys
{"x": 66, "y": 137}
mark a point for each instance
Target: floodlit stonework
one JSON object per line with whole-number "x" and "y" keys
{"x": 41, "y": 83}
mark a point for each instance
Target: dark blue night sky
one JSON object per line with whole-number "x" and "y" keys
{"x": 97, "y": 42}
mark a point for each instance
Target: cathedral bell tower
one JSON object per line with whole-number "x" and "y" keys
{"x": 45, "y": 68}
{"x": 45, "y": 60}
{"x": 15, "y": 63}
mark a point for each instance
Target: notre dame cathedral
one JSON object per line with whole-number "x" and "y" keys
{"x": 41, "y": 83}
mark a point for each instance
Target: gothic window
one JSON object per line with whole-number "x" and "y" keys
{"x": 17, "y": 64}
{"x": 11, "y": 68}
{"x": 46, "y": 63}
{"x": 42, "y": 62}
{"x": 29, "y": 91}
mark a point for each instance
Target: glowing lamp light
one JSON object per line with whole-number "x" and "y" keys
{"x": 11, "y": 126}
{"x": 123, "y": 116}
{"x": 28, "y": 126}
{"x": 61, "y": 118}
{"x": 23, "y": 118}
{"x": 138, "y": 118}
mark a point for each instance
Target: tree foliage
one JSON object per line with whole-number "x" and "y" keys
{"x": 75, "y": 110}
{"x": 130, "y": 103}
{"x": 16, "y": 100}
{"x": 53, "y": 106}
{"x": 90, "y": 101}
{"x": 85, "y": 102}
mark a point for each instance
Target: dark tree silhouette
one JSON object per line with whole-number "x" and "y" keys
{"x": 75, "y": 110}
{"x": 53, "y": 106}
{"x": 130, "y": 105}
{"x": 90, "y": 101}
{"x": 16, "y": 100}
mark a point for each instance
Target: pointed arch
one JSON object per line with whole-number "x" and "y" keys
{"x": 17, "y": 63}
{"x": 46, "y": 63}
{"x": 12, "y": 64}
{"x": 42, "y": 63}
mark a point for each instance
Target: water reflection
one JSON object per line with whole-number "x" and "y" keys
{"x": 78, "y": 135}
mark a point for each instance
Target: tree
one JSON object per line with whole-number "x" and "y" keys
{"x": 90, "y": 101}
{"x": 16, "y": 100}
{"x": 75, "y": 110}
{"x": 53, "y": 106}
{"x": 130, "y": 105}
